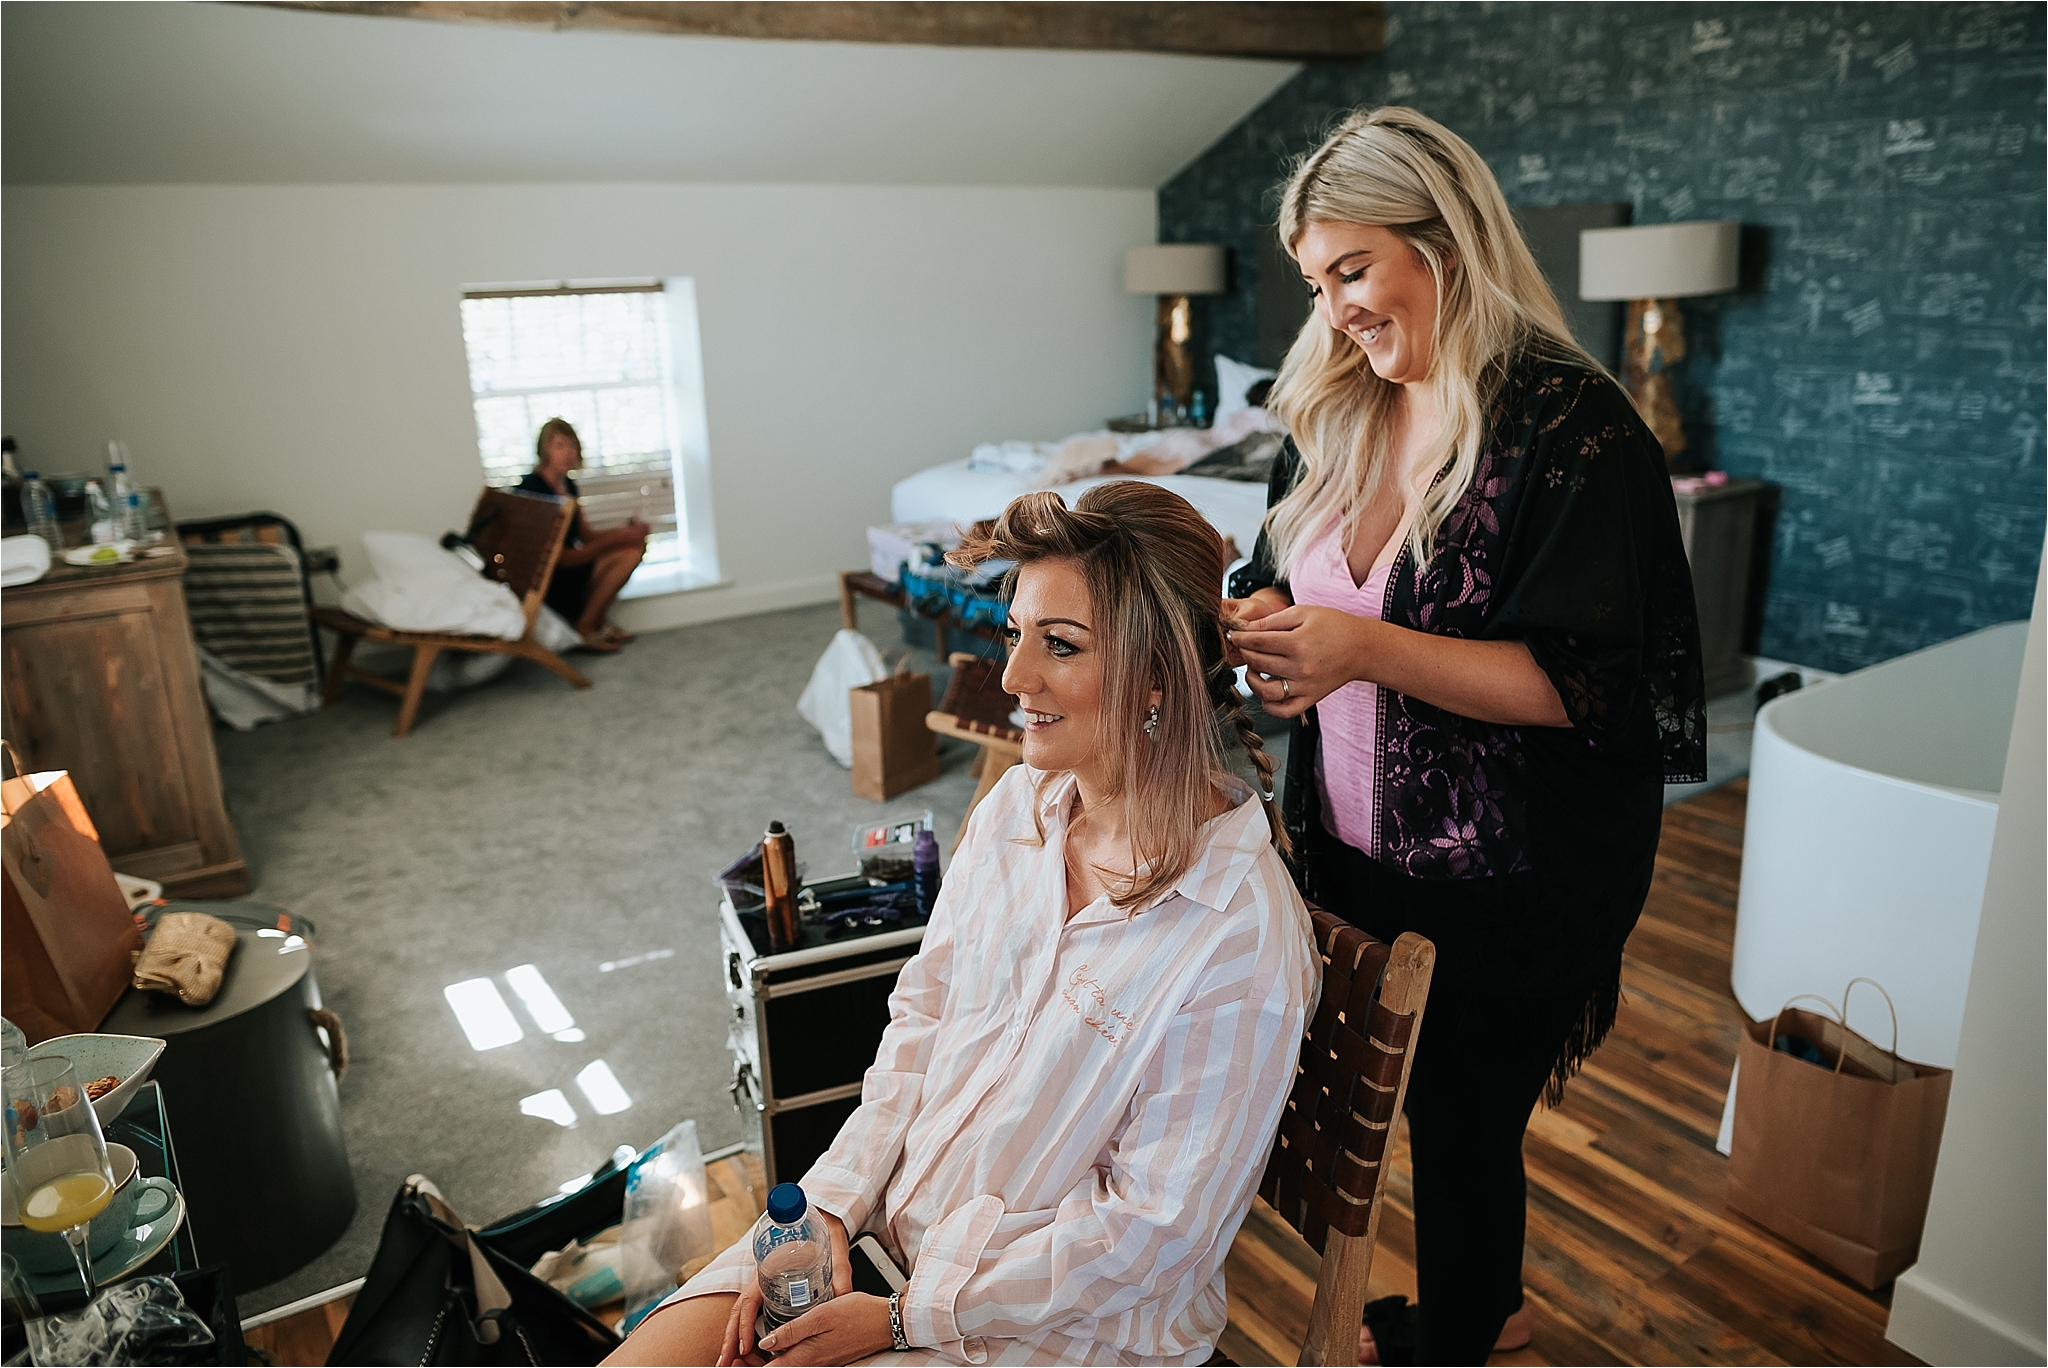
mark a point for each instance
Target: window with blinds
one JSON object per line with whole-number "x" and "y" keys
{"x": 600, "y": 357}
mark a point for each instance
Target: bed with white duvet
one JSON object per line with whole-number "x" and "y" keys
{"x": 958, "y": 493}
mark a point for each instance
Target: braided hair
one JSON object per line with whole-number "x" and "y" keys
{"x": 1154, "y": 570}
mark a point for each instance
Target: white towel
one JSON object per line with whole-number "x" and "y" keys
{"x": 23, "y": 560}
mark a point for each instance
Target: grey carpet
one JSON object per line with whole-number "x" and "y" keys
{"x": 525, "y": 822}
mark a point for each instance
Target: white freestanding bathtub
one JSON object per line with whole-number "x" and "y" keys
{"x": 1871, "y": 804}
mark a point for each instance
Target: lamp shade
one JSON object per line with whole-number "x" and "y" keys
{"x": 1174, "y": 268}
{"x": 1659, "y": 261}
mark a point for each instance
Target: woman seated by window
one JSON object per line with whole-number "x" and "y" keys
{"x": 1086, "y": 1062}
{"x": 594, "y": 565}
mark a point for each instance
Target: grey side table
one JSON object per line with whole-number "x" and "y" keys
{"x": 251, "y": 1097}
{"x": 1718, "y": 524}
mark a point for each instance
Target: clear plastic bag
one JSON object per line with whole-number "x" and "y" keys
{"x": 143, "y": 1320}
{"x": 850, "y": 662}
{"x": 667, "y": 1221}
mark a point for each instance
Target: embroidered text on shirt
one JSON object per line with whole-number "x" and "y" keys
{"x": 1108, "y": 1022}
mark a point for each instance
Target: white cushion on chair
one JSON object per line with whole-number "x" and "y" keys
{"x": 419, "y": 587}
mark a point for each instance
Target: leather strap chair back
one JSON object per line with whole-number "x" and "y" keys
{"x": 520, "y": 536}
{"x": 1327, "y": 1173}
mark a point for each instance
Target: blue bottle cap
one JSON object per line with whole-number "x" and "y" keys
{"x": 924, "y": 851}
{"x": 786, "y": 1203}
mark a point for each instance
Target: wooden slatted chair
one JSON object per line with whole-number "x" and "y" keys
{"x": 519, "y": 535}
{"x": 976, "y": 709}
{"x": 1327, "y": 1174}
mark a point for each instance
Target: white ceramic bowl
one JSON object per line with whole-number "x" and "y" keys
{"x": 41, "y": 1253}
{"x": 128, "y": 1058}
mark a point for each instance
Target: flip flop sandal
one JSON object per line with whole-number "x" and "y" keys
{"x": 618, "y": 634}
{"x": 598, "y": 642}
{"x": 1396, "y": 1329}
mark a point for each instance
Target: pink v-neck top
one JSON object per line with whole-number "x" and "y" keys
{"x": 1347, "y": 761}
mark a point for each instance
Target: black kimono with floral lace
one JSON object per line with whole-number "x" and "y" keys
{"x": 1567, "y": 540}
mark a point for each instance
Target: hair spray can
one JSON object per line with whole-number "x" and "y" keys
{"x": 778, "y": 882}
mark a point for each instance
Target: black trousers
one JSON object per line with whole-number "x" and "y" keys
{"x": 1490, "y": 1038}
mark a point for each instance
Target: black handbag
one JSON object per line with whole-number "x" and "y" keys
{"x": 440, "y": 1293}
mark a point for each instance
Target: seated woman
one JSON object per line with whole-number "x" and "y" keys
{"x": 1086, "y": 1062}
{"x": 594, "y": 565}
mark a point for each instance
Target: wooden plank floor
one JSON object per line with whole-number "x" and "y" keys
{"x": 1632, "y": 1256}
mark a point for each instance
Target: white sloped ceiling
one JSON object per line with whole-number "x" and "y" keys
{"x": 219, "y": 94}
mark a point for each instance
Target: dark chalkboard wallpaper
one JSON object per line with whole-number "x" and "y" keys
{"x": 1883, "y": 361}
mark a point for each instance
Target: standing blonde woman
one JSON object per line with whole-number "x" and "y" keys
{"x": 1086, "y": 1062}
{"x": 1471, "y": 595}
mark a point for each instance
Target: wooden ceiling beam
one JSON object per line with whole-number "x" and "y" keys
{"x": 1335, "y": 31}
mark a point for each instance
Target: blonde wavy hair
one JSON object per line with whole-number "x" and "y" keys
{"x": 1397, "y": 169}
{"x": 1154, "y": 569}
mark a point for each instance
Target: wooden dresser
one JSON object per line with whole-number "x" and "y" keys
{"x": 101, "y": 678}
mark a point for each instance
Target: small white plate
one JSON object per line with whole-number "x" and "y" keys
{"x": 159, "y": 1211}
{"x": 124, "y": 551}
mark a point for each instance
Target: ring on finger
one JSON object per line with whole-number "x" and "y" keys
{"x": 1284, "y": 685}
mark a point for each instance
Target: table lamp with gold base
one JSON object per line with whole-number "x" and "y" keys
{"x": 1652, "y": 267}
{"x": 1173, "y": 271}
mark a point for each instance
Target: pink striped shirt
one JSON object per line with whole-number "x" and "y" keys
{"x": 1067, "y": 1120}
{"x": 1347, "y": 760}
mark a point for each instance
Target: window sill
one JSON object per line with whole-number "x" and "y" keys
{"x": 673, "y": 577}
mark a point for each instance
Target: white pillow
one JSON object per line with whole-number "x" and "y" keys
{"x": 421, "y": 588}
{"x": 1233, "y": 378}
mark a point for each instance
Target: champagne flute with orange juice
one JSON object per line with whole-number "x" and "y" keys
{"x": 56, "y": 1156}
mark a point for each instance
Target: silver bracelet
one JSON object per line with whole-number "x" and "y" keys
{"x": 896, "y": 1340}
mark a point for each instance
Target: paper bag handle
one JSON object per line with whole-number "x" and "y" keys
{"x": 1834, "y": 1015}
{"x": 1894, "y": 1057}
{"x": 1840, "y": 1016}
{"x": 1805, "y": 997}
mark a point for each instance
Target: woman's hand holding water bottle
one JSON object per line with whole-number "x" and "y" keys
{"x": 822, "y": 1337}
{"x": 847, "y": 1329}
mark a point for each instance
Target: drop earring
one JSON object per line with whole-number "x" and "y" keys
{"x": 1152, "y": 724}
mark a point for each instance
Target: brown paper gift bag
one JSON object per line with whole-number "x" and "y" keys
{"x": 67, "y": 939}
{"x": 1837, "y": 1157}
{"x": 893, "y": 750}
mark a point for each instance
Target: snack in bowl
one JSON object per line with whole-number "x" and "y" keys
{"x": 127, "y": 1060}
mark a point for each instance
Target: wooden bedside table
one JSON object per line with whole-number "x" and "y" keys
{"x": 1718, "y": 524}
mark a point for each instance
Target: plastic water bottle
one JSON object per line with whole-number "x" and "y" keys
{"x": 794, "y": 1256}
{"x": 39, "y": 510}
{"x": 1198, "y": 410}
{"x": 104, "y": 529}
{"x": 924, "y": 871}
{"x": 129, "y": 520}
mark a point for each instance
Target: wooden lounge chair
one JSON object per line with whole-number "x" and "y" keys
{"x": 520, "y": 537}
